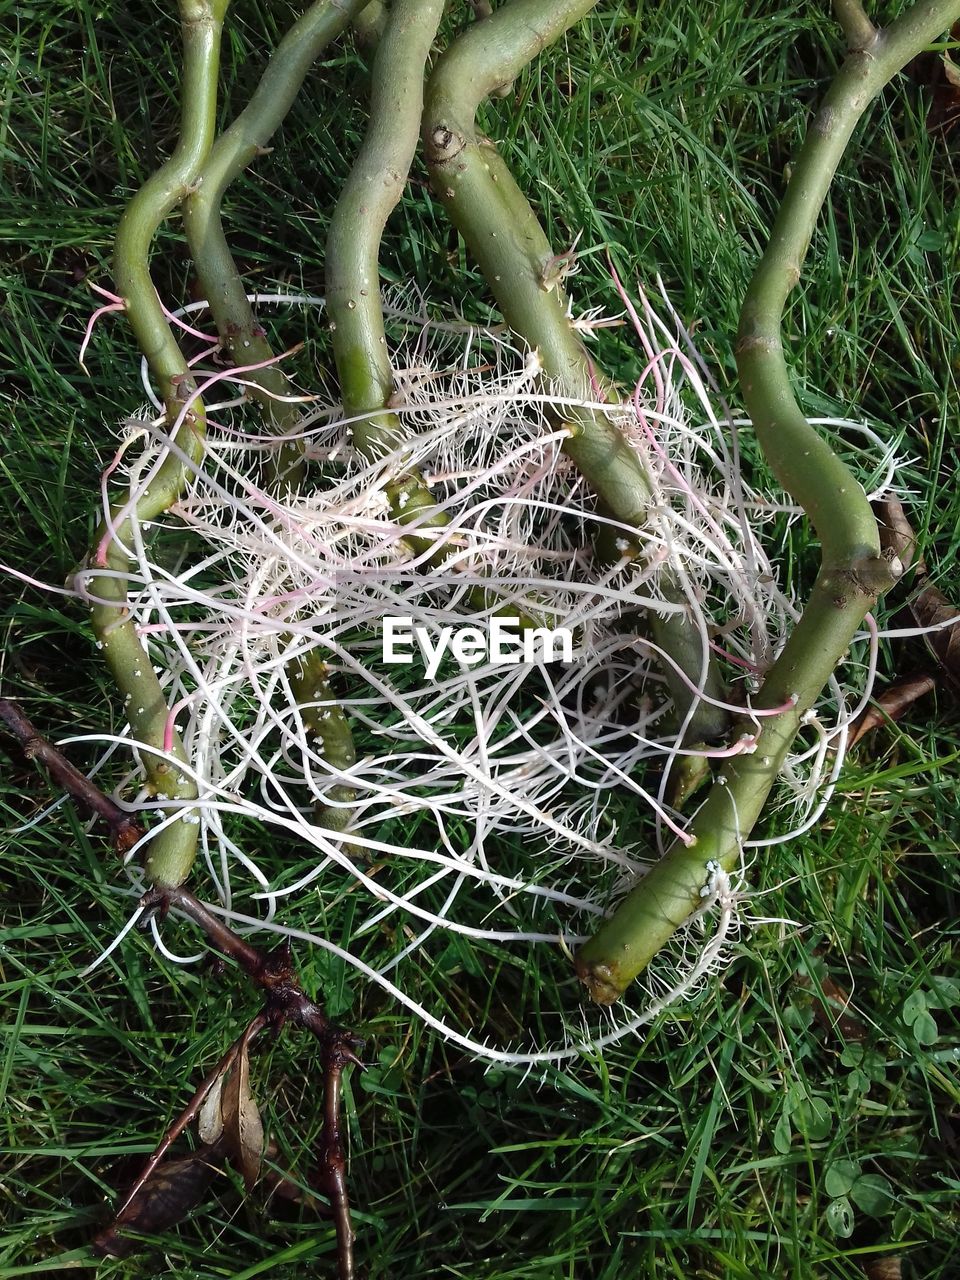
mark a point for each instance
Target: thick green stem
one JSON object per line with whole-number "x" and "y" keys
{"x": 853, "y": 571}
{"x": 368, "y": 25}
{"x": 326, "y": 722}
{"x": 370, "y": 194}
{"x": 247, "y": 137}
{"x": 243, "y": 338}
{"x": 354, "y": 303}
{"x": 857, "y": 27}
{"x": 171, "y": 853}
{"x": 496, "y": 220}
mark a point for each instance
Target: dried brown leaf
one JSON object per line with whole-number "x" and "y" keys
{"x": 886, "y": 1268}
{"x": 831, "y": 1008}
{"x": 892, "y": 703}
{"x": 931, "y": 608}
{"x": 896, "y": 533}
{"x": 168, "y": 1195}
{"x": 210, "y": 1119}
{"x": 242, "y": 1125}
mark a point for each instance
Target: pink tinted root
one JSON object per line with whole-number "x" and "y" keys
{"x": 732, "y": 657}
{"x": 188, "y": 328}
{"x": 169, "y": 727}
{"x": 106, "y": 309}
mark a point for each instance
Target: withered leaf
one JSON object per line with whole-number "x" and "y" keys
{"x": 885, "y": 1268}
{"x": 896, "y": 533}
{"x": 931, "y": 608}
{"x": 242, "y": 1126}
{"x": 168, "y": 1195}
{"x": 210, "y": 1119}
{"x": 892, "y": 703}
{"x": 831, "y": 1008}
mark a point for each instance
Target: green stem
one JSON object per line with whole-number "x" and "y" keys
{"x": 370, "y": 194}
{"x": 354, "y": 303}
{"x": 369, "y": 23}
{"x": 244, "y": 340}
{"x": 325, "y": 721}
{"x": 853, "y": 571}
{"x": 172, "y": 852}
{"x": 857, "y": 27}
{"x": 496, "y": 220}
{"x": 247, "y": 137}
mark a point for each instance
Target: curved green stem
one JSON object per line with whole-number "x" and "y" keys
{"x": 247, "y": 137}
{"x": 496, "y": 220}
{"x": 171, "y": 853}
{"x": 369, "y": 24}
{"x": 326, "y": 722}
{"x": 354, "y": 303}
{"x": 853, "y": 571}
{"x": 857, "y": 27}
{"x": 369, "y": 196}
{"x": 201, "y": 25}
{"x": 244, "y": 340}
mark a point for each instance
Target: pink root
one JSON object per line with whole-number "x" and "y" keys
{"x": 188, "y": 328}
{"x": 169, "y": 727}
{"x": 641, "y": 333}
{"x": 105, "y": 293}
{"x": 118, "y": 305}
{"x": 737, "y": 661}
{"x": 745, "y": 744}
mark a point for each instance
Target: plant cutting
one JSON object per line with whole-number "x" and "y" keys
{"x": 853, "y": 573}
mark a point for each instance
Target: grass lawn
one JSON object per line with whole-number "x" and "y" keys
{"x": 765, "y": 1129}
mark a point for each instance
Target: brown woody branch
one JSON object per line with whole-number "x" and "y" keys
{"x": 272, "y": 972}
{"x": 286, "y": 1002}
{"x": 125, "y": 831}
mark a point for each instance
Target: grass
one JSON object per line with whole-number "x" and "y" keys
{"x": 753, "y": 1133}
